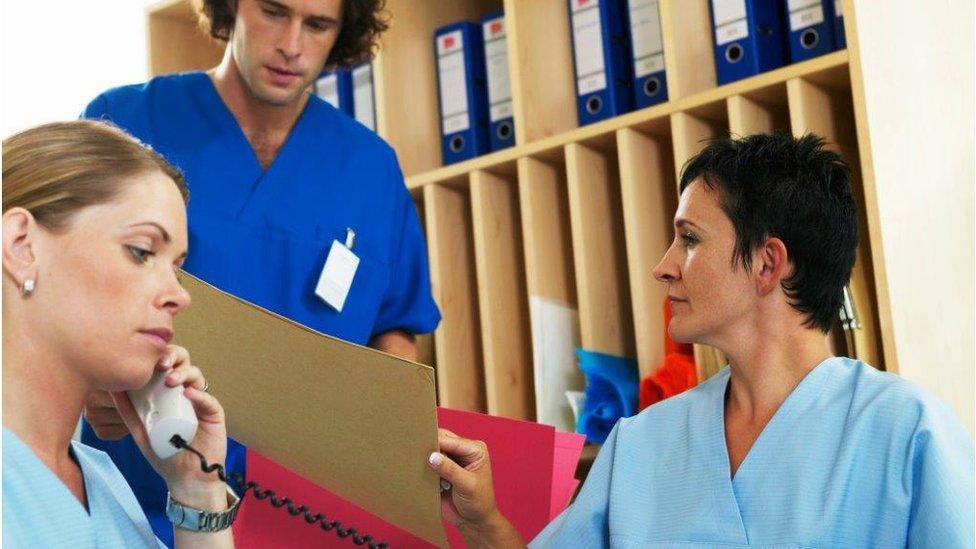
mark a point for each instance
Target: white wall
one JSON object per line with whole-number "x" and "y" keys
{"x": 917, "y": 59}
{"x": 59, "y": 54}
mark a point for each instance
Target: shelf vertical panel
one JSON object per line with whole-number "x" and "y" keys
{"x": 551, "y": 286}
{"x": 425, "y": 342}
{"x": 457, "y": 341}
{"x": 541, "y": 67}
{"x": 686, "y": 31}
{"x": 649, "y": 201}
{"x": 599, "y": 252}
{"x": 502, "y": 296}
{"x": 764, "y": 112}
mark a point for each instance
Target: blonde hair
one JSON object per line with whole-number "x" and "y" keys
{"x": 54, "y": 170}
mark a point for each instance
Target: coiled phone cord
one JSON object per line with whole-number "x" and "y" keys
{"x": 277, "y": 502}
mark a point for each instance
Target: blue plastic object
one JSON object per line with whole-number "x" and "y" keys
{"x": 611, "y": 393}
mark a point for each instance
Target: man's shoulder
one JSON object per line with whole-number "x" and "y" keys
{"x": 326, "y": 117}
{"x": 139, "y": 96}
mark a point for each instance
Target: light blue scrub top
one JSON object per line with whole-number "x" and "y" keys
{"x": 40, "y": 511}
{"x": 853, "y": 458}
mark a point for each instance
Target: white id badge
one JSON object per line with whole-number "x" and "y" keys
{"x": 336, "y": 278}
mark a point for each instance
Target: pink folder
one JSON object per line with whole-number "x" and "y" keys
{"x": 568, "y": 448}
{"x": 532, "y": 466}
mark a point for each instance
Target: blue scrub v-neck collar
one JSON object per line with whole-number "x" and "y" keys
{"x": 809, "y": 389}
{"x": 804, "y": 391}
{"x": 226, "y": 118}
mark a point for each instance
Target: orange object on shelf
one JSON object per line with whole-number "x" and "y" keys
{"x": 676, "y": 375}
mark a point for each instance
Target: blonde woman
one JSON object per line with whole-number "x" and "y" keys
{"x": 94, "y": 233}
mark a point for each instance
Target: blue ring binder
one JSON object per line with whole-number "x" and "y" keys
{"x": 748, "y": 37}
{"x": 810, "y": 28}
{"x": 647, "y": 49}
{"x": 500, "y": 115}
{"x": 602, "y": 59}
{"x": 463, "y": 91}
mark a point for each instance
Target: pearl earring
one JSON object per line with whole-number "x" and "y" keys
{"x": 28, "y": 287}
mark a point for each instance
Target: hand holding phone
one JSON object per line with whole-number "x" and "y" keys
{"x": 164, "y": 411}
{"x": 173, "y": 403}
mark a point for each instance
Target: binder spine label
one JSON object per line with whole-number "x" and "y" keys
{"x": 362, "y": 96}
{"x": 453, "y": 89}
{"x": 327, "y": 88}
{"x": 838, "y": 8}
{"x": 645, "y": 31}
{"x": 496, "y": 55}
{"x": 805, "y": 13}
{"x": 730, "y": 20}
{"x": 591, "y": 75}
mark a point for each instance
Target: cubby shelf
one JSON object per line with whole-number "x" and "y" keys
{"x": 576, "y": 216}
{"x": 828, "y": 71}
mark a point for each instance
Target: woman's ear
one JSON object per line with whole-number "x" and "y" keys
{"x": 19, "y": 262}
{"x": 771, "y": 264}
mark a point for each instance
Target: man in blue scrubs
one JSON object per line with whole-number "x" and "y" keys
{"x": 278, "y": 178}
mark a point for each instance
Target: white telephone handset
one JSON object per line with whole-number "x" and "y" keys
{"x": 165, "y": 412}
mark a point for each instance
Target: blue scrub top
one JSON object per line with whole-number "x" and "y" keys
{"x": 853, "y": 458}
{"x": 264, "y": 235}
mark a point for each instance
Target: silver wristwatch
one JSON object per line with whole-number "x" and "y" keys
{"x": 195, "y": 520}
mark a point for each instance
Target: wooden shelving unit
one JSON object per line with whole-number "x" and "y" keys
{"x": 621, "y": 178}
{"x": 176, "y": 42}
{"x": 576, "y": 215}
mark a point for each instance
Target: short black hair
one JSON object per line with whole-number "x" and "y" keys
{"x": 794, "y": 189}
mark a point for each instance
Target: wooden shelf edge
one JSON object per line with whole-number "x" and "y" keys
{"x": 771, "y": 78}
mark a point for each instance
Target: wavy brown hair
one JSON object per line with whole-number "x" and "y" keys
{"x": 363, "y": 21}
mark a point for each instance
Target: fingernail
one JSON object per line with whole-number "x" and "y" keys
{"x": 445, "y": 485}
{"x": 173, "y": 377}
{"x": 435, "y": 459}
{"x": 166, "y": 361}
